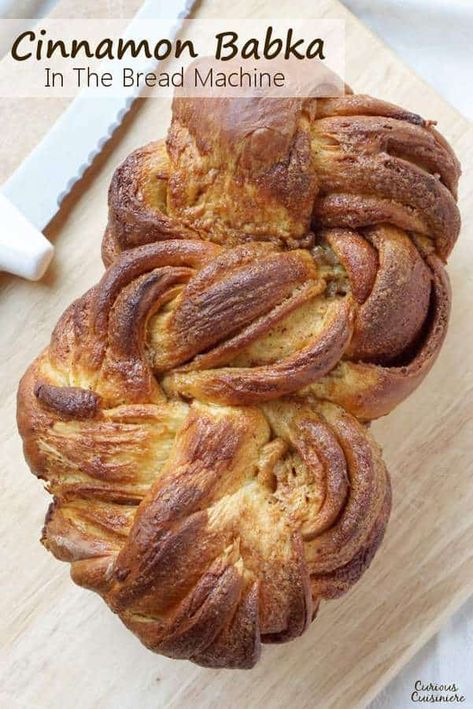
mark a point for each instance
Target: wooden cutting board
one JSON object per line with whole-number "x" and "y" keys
{"x": 64, "y": 649}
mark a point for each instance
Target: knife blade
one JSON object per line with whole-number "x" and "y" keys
{"x": 34, "y": 192}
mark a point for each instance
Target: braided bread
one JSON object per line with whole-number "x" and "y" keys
{"x": 275, "y": 281}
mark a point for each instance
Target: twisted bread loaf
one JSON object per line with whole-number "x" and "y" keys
{"x": 275, "y": 280}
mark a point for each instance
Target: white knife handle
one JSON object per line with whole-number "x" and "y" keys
{"x": 24, "y": 250}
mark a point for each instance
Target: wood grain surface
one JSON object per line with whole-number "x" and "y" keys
{"x": 62, "y": 648}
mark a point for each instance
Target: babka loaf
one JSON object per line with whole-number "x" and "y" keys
{"x": 275, "y": 280}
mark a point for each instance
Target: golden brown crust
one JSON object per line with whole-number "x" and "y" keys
{"x": 242, "y": 169}
{"x": 187, "y": 517}
{"x": 263, "y": 168}
{"x": 275, "y": 279}
{"x": 371, "y": 390}
{"x": 137, "y": 203}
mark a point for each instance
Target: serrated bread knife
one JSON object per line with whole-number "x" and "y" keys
{"x": 31, "y": 196}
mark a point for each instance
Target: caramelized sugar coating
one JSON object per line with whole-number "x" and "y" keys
{"x": 275, "y": 281}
